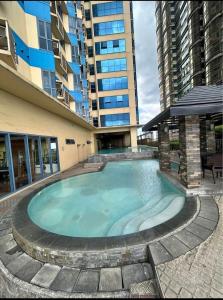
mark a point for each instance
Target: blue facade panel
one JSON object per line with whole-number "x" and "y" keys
{"x": 42, "y": 59}
{"x": 77, "y": 96}
{"x": 22, "y": 50}
{"x": 34, "y": 57}
{"x": 39, "y": 9}
{"x": 71, "y": 9}
{"x": 75, "y": 67}
{"x": 73, "y": 39}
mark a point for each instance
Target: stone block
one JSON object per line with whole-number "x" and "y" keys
{"x": 110, "y": 279}
{"x": 46, "y": 275}
{"x": 132, "y": 274}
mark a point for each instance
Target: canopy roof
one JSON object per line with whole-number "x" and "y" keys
{"x": 201, "y": 100}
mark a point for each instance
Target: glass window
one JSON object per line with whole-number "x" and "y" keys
{"x": 19, "y": 160}
{"x": 90, "y": 51}
{"x": 114, "y": 101}
{"x": 4, "y": 168}
{"x": 49, "y": 82}
{"x": 72, "y": 24}
{"x": 115, "y": 120}
{"x": 89, "y": 33}
{"x": 93, "y": 87}
{"x": 111, "y": 65}
{"x": 112, "y": 27}
{"x": 75, "y": 54}
{"x": 94, "y": 105}
{"x": 108, "y": 84}
{"x": 45, "y": 35}
{"x": 95, "y": 121}
{"x": 54, "y": 155}
{"x": 87, "y": 14}
{"x": 107, "y": 47}
{"x": 45, "y": 156}
{"x": 34, "y": 158}
{"x": 107, "y": 9}
{"x": 77, "y": 81}
{"x": 91, "y": 69}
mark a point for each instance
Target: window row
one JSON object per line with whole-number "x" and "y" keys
{"x": 112, "y": 27}
{"x": 25, "y": 159}
{"x": 107, "y": 9}
{"x": 115, "y": 120}
{"x": 108, "y": 47}
{"x": 114, "y": 101}
{"x": 111, "y": 65}
{"x": 116, "y": 83}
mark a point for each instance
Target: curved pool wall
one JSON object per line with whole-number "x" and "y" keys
{"x": 124, "y": 198}
{"x": 99, "y": 252}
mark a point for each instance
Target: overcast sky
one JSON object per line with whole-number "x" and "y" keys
{"x": 146, "y": 59}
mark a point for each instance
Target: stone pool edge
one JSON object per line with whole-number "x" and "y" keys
{"x": 91, "y": 252}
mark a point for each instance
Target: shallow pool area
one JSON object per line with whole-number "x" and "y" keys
{"x": 126, "y": 197}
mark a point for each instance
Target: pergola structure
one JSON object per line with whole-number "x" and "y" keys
{"x": 195, "y": 115}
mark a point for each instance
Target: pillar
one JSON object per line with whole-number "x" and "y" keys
{"x": 190, "y": 160}
{"x": 164, "y": 147}
{"x": 207, "y": 137}
{"x": 133, "y": 134}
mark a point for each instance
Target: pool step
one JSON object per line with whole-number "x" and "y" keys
{"x": 131, "y": 222}
{"x": 166, "y": 207}
{"x": 167, "y": 214}
{"x": 117, "y": 227}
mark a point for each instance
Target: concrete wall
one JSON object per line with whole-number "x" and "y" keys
{"x": 19, "y": 116}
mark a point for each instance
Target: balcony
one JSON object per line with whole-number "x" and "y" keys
{"x": 61, "y": 63}
{"x": 57, "y": 23}
{"x": 7, "y": 44}
{"x": 62, "y": 93}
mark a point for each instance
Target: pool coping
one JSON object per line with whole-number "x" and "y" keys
{"x": 60, "y": 249}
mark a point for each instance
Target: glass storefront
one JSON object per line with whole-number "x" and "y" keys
{"x": 19, "y": 160}
{"x": 25, "y": 159}
{"x": 35, "y": 158}
{"x": 4, "y": 168}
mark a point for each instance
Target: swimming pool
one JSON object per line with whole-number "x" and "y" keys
{"x": 126, "y": 197}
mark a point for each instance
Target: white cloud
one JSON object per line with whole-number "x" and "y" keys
{"x": 146, "y": 59}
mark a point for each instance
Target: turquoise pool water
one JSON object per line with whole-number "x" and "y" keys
{"x": 126, "y": 197}
{"x": 127, "y": 149}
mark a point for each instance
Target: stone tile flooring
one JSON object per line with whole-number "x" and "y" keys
{"x": 56, "y": 278}
{"x": 198, "y": 273}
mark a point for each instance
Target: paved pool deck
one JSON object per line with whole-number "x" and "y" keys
{"x": 198, "y": 273}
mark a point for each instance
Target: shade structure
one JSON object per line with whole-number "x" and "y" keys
{"x": 201, "y": 100}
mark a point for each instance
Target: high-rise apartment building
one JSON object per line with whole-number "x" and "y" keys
{"x": 44, "y": 41}
{"x": 189, "y": 46}
{"x": 111, "y": 71}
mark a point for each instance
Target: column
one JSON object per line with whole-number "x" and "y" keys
{"x": 133, "y": 134}
{"x": 164, "y": 147}
{"x": 190, "y": 161}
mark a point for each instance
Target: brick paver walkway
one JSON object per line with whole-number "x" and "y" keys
{"x": 198, "y": 273}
